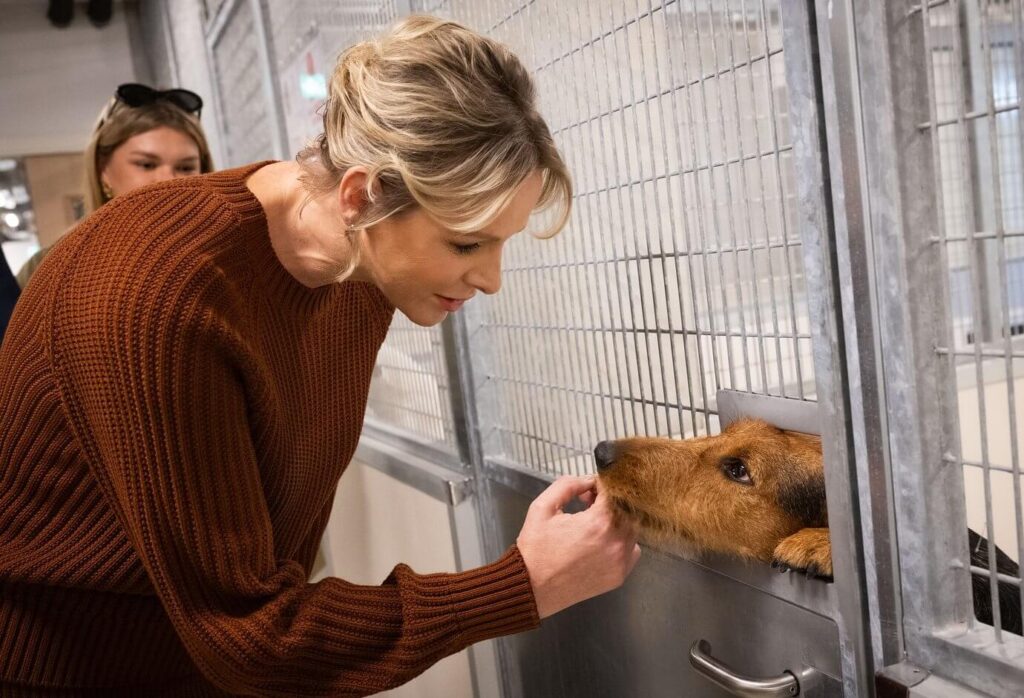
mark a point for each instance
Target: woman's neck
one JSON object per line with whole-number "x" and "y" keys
{"x": 308, "y": 235}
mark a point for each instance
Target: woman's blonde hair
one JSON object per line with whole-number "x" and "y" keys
{"x": 443, "y": 119}
{"x": 117, "y": 123}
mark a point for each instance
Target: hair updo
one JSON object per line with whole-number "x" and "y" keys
{"x": 443, "y": 119}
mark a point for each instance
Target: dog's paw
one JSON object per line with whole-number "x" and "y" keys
{"x": 808, "y": 550}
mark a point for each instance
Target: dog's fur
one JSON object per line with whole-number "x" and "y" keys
{"x": 753, "y": 491}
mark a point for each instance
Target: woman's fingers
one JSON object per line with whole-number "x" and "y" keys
{"x": 561, "y": 492}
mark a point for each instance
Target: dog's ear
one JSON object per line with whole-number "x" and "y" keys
{"x": 802, "y": 495}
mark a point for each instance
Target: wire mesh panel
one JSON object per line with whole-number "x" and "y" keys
{"x": 308, "y": 36}
{"x": 975, "y": 52}
{"x": 409, "y": 390}
{"x": 680, "y": 273}
{"x": 410, "y": 385}
{"x": 248, "y": 128}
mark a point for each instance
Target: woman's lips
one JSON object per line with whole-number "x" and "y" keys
{"x": 451, "y": 304}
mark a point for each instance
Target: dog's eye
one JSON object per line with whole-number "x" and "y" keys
{"x": 736, "y": 470}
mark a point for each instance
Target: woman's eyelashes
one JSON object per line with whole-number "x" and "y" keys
{"x": 464, "y": 248}
{"x": 150, "y": 165}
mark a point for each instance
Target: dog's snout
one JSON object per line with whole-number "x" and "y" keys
{"x": 604, "y": 454}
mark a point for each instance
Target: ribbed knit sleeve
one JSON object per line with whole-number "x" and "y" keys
{"x": 154, "y": 382}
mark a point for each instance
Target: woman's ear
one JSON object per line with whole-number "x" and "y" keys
{"x": 352, "y": 194}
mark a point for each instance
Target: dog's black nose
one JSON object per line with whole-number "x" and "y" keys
{"x": 604, "y": 454}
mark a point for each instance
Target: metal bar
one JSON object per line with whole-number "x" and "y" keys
{"x": 978, "y": 311}
{"x": 711, "y": 184}
{"x": 698, "y": 200}
{"x": 963, "y": 462}
{"x": 537, "y": 424}
{"x": 764, "y": 207}
{"x": 998, "y": 576}
{"x": 570, "y": 405}
{"x": 623, "y": 307}
{"x": 928, "y": 494}
{"x": 825, "y": 318}
{"x": 661, "y": 241}
{"x": 758, "y": 323}
{"x": 743, "y": 196}
{"x": 475, "y": 409}
{"x": 601, "y": 37}
{"x": 667, "y": 91}
{"x": 271, "y": 89}
{"x": 997, "y": 193}
{"x": 509, "y": 17}
{"x": 631, "y": 201}
{"x": 607, "y": 396}
{"x": 984, "y": 235}
{"x": 679, "y": 284}
{"x": 450, "y": 487}
{"x": 782, "y": 209}
{"x": 631, "y": 330}
{"x": 914, "y": 9}
{"x": 968, "y": 115}
{"x": 858, "y": 298}
{"x": 654, "y": 256}
{"x": 996, "y": 353}
{"x": 592, "y": 307}
{"x": 1018, "y": 21}
{"x": 216, "y": 26}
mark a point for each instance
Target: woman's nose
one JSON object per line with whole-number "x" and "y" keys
{"x": 487, "y": 276}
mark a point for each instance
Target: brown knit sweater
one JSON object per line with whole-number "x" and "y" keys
{"x": 175, "y": 412}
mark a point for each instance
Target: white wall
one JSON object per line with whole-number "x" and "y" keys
{"x": 55, "y": 81}
{"x": 378, "y": 522}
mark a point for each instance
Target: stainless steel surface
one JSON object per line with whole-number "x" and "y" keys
{"x": 786, "y": 684}
{"x": 633, "y": 641}
{"x": 785, "y": 413}
{"x": 821, "y": 265}
{"x": 858, "y": 310}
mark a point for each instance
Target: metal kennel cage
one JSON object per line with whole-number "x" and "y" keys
{"x": 805, "y": 202}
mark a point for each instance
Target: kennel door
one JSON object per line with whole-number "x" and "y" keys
{"x": 690, "y": 129}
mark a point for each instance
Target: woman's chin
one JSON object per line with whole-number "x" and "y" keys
{"x": 424, "y": 317}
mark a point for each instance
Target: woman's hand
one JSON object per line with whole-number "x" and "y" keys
{"x": 573, "y": 557}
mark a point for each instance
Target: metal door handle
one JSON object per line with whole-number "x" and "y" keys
{"x": 784, "y": 686}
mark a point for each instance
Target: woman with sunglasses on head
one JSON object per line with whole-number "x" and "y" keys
{"x": 192, "y": 368}
{"x": 142, "y": 136}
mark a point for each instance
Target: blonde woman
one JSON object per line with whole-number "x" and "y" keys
{"x": 142, "y": 136}
{"x": 184, "y": 382}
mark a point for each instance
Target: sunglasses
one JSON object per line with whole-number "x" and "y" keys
{"x": 133, "y": 94}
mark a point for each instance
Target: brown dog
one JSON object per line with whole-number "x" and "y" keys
{"x": 755, "y": 492}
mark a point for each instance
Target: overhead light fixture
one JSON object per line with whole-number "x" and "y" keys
{"x": 100, "y": 11}
{"x": 61, "y": 12}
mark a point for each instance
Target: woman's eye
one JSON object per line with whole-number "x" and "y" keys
{"x": 146, "y": 165}
{"x": 736, "y": 470}
{"x": 465, "y": 249}
{"x": 187, "y": 170}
